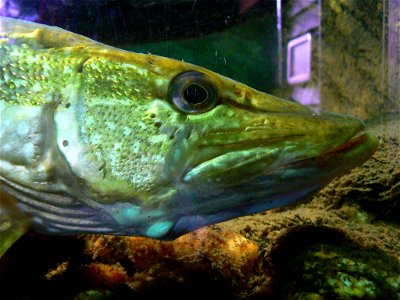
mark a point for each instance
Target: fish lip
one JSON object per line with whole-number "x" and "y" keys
{"x": 351, "y": 143}
{"x": 350, "y": 154}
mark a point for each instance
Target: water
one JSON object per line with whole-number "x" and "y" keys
{"x": 343, "y": 243}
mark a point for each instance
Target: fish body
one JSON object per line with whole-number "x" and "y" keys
{"x": 95, "y": 139}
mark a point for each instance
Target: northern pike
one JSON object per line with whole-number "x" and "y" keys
{"x": 96, "y": 139}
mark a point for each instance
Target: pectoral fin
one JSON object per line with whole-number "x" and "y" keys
{"x": 13, "y": 223}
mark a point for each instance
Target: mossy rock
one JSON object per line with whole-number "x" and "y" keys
{"x": 342, "y": 272}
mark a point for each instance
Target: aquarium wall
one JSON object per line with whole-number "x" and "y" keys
{"x": 354, "y": 57}
{"x": 301, "y": 51}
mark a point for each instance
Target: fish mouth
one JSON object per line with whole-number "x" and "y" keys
{"x": 243, "y": 160}
{"x": 248, "y": 192}
{"x": 363, "y": 140}
{"x": 321, "y": 169}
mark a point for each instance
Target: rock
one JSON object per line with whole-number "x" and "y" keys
{"x": 206, "y": 255}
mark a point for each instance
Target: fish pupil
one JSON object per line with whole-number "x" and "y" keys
{"x": 195, "y": 94}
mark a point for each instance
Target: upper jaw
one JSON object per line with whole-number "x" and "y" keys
{"x": 231, "y": 157}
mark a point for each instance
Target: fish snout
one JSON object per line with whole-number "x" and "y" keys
{"x": 335, "y": 129}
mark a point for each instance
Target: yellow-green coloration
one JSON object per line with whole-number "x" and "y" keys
{"x": 96, "y": 139}
{"x": 118, "y": 107}
{"x": 28, "y": 75}
{"x": 95, "y": 295}
{"x": 13, "y": 223}
{"x": 344, "y": 272}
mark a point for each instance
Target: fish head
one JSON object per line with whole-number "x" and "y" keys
{"x": 182, "y": 147}
{"x": 101, "y": 140}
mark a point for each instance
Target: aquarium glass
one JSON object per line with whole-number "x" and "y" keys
{"x": 335, "y": 56}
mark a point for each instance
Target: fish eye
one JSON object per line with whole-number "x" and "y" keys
{"x": 192, "y": 92}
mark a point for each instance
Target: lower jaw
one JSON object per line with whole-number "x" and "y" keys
{"x": 360, "y": 147}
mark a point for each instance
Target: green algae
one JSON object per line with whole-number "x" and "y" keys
{"x": 95, "y": 295}
{"x": 343, "y": 272}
